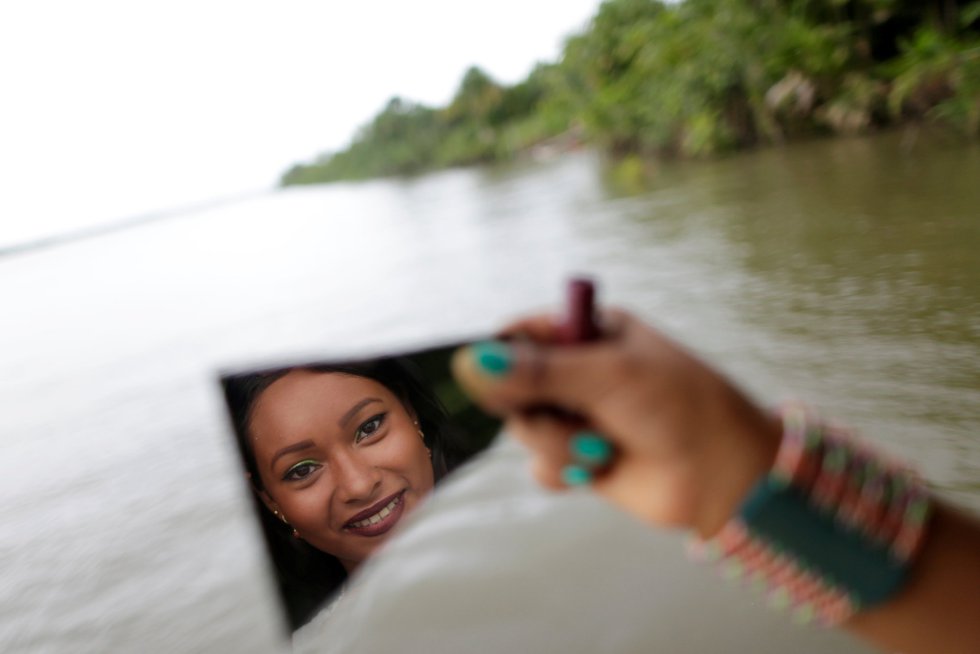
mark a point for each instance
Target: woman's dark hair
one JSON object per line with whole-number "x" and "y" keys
{"x": 306, "y": 576}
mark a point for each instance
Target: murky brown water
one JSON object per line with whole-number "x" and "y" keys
{"x": 843, "y": 272}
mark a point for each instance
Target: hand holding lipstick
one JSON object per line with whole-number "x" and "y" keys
{"x": 688, "y": 445}
{"x": 660, "y": 434}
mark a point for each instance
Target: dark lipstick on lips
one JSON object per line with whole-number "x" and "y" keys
{"x": 388, "y": 512}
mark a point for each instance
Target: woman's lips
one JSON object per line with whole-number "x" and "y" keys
{"x": 379, "y": 518}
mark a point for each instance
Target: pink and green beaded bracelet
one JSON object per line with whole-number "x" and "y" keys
{"x": 831, "y": 530}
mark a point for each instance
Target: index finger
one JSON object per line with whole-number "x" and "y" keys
{"x": 542, "y": 328}
{"x": 513, "y": 377}
{"x": 546, "y": 328}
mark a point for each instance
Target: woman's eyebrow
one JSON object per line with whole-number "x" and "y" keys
{"x": 295, "y": 447}
{"x": 344, "y": 419}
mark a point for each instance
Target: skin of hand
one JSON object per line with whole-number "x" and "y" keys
{"x": 688, "y": 444}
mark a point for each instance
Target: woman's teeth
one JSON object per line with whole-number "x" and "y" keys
{"x": 377, "y": 517}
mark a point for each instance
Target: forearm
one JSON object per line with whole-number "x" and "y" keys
{"x": 939, "y": 608}
{"x": 934, "y": 606}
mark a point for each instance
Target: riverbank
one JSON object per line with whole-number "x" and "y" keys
{"x": 693, "y": 79}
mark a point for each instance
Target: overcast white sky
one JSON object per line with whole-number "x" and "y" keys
{"x": 113, "y": 108}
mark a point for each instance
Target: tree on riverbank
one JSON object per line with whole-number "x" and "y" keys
{"x": 484, "y": 122}
{"x": 696, "y": 78}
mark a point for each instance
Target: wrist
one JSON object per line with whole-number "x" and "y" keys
{"x": 739, "y": 460}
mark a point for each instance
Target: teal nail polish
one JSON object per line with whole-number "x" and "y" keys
{"x": 575, "y": 475}
{"x": 590, "y": 448}
{"x": 493, "y": 358}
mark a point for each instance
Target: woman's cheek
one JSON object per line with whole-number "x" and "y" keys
{"x": 410, "y": 456}
{"x": 399, "y": 445}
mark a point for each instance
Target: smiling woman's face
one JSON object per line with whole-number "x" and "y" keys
{"x": 340, "y": 458}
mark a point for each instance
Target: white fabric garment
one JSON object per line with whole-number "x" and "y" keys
{"x": 493, "y": 563}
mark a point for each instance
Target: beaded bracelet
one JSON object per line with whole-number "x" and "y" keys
{"x": 830, "y": 531}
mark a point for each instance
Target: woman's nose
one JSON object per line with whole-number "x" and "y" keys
{"x": 357, "y": 478}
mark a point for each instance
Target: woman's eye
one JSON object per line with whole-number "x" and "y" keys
{"x": 370, "y": 427}
{"x": 301, "y": 471}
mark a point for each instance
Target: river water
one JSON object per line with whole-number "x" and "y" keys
{"x": 843, "y": 272}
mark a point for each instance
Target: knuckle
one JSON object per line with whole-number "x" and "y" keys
{"x": 625, "y": 365}
{"x": 546, "y": 474}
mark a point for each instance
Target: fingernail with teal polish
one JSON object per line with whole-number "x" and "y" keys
{"x": 493, "y": 358}
{"x": 575, "y": 475}
{"x": 590, "y": 448}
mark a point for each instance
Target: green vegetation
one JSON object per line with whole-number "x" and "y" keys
{"x": 695, "y": 78}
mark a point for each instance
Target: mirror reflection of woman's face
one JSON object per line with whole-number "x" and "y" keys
{"x": 340, "y": 458}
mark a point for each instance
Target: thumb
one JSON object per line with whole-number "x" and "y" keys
{"x": 507, "y": 377}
